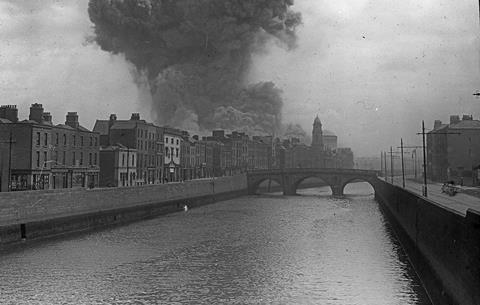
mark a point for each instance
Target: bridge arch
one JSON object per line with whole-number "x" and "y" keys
{"x": 356, "y": 179}
{"x": 254, "y": 185}
{"x": 298, "y": 181}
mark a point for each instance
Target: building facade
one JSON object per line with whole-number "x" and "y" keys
{"x": 119, "y": 166}
{"x": 172, "y": 161}
{"x": 453, "y": 151}
{"x": 42, "y": 155}
{"x": 144, "y": 138}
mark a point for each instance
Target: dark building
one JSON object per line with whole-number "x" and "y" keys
{"x": 39, "y": 155}
{"x": 143, "y": 137}
{"x": 119, "y": 167}
{"x": 453, "y": 151}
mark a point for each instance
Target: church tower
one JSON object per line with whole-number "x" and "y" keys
{"x": 317, "y": 149}
{"x": 317, "y": 134}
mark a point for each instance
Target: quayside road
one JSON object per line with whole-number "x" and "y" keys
{"x": 459, "y": 203}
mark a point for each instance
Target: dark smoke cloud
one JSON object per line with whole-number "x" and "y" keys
{"x": 196, "y": 55}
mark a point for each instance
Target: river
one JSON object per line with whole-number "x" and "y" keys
{"x": 267, "y": 249}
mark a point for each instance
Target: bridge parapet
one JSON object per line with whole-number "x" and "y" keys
{"x": 290, "y": 178}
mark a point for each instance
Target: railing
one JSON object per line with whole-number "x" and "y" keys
{"x": 309, "y": 170}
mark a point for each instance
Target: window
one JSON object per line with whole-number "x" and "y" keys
{"x": 176, "y": 153}
{"x": 166, "y": 140}
{"x": 91, "y": 141}
{"x": 64, "y": 157}
{"x": 44, "y": 158}
{"x": 166, "y": 152}
{"x": 56, "y": 156}
{"x": 177, "y": 141}
{"x": 81, "y": 158}
{"x": 95, "y": 158}
{"x": 81, "y": 141}
{"x": 38, "y": 159}
{"x": 64, "y": 139}
{"x": 123, "y": 159}
{"x": 46, "y": 139}
{"x": 96, "y": 139}
{"x": 38, "y": 138}
{"x": 74, "y": 140}
{"x": 171, "y": 140}
{"x": 90, "y": 159}
{"x": 56, "y": 138}
{"x": 73, "y": 158}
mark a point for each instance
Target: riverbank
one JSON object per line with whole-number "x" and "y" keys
{"x": 442, "y": 243}
{"x": 37, "y": 214}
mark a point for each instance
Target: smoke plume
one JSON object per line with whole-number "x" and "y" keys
{"x": 196, "y": 55}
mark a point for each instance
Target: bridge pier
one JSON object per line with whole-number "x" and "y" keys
{"x": 337, "y": 190}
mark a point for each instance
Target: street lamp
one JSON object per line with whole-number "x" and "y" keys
{"x": 171, "y": 168}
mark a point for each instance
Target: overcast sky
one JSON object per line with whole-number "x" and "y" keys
{"x": 372, "y": 70}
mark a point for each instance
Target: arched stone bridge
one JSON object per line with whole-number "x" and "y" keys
{"x": 291, "y": 178}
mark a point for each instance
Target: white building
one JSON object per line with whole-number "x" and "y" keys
{"x": 173, "y": 144}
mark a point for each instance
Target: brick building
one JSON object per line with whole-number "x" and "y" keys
{"x": 36, "y": 154}
{"x": 453, "y": 151}
{"x": 119, "y": 166}
{"x": 143, "y": 137}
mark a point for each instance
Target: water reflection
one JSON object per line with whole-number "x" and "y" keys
{"x": 309, "y": 249}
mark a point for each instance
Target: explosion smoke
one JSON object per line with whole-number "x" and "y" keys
{"x": 196, "y": 55}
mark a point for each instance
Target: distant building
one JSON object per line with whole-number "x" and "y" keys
{"x": 36, "y": 154}
{"x": 343, "y": 157}
{"x": 329, "y": 140}
{"x": 317, "y": 147}
{"x": 453, "y": 151}
{"x": 119, "y": 167}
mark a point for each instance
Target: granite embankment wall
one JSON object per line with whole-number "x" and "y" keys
{"x": 34, "y": 214}
{"x": 442, "y": 244}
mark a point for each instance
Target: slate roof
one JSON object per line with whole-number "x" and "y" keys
{"x": 466, "y": 124}
{"x": 101, "y": 126}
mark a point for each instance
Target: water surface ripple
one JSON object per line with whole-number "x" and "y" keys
{"x": 308, "y": 249}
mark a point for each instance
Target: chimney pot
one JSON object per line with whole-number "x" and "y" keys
{"x": 135, "y": 117}
{"x": 467, "y": 117}
{"x": 437, "y": 124}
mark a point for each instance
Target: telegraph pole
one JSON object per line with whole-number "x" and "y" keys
{"x": 425, "y": 192}
{"x": 403, "y": 168}
{"x": 391, "y": 163}
{"x": 10, "y": 142}
{"x": 385, "y": 163}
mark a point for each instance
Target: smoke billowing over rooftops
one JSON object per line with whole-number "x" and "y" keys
{"x": 196, "y": 55}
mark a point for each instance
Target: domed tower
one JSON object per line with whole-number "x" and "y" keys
{"x": 317, "y": 149}
{"x": 317, "y": 134}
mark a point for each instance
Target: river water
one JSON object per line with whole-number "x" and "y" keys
{"x": 308, "y": 249}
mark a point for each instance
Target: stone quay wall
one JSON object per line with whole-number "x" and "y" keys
{"x": 442, "y": 245}
{"x": 34, "y": 214}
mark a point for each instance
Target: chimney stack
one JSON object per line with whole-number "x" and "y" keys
{"x": 72, "y": 120}
{"x": 135, "y": 117}
{"x": 437, "y": 124}
{"x": 47, "y": 117}
{"x": 9, "y": 112}
{"x": 467, "y": 117}
{"x": 36, "y": 113}
{"x": 195, "y": 137}
{"x": 454, "y": 119}
{"x": 218, "y": 134}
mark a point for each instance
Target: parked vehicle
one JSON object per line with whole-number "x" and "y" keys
{"x": 449, "y": 188}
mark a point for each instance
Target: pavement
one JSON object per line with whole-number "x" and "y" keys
{"x": 466, "y": 198}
